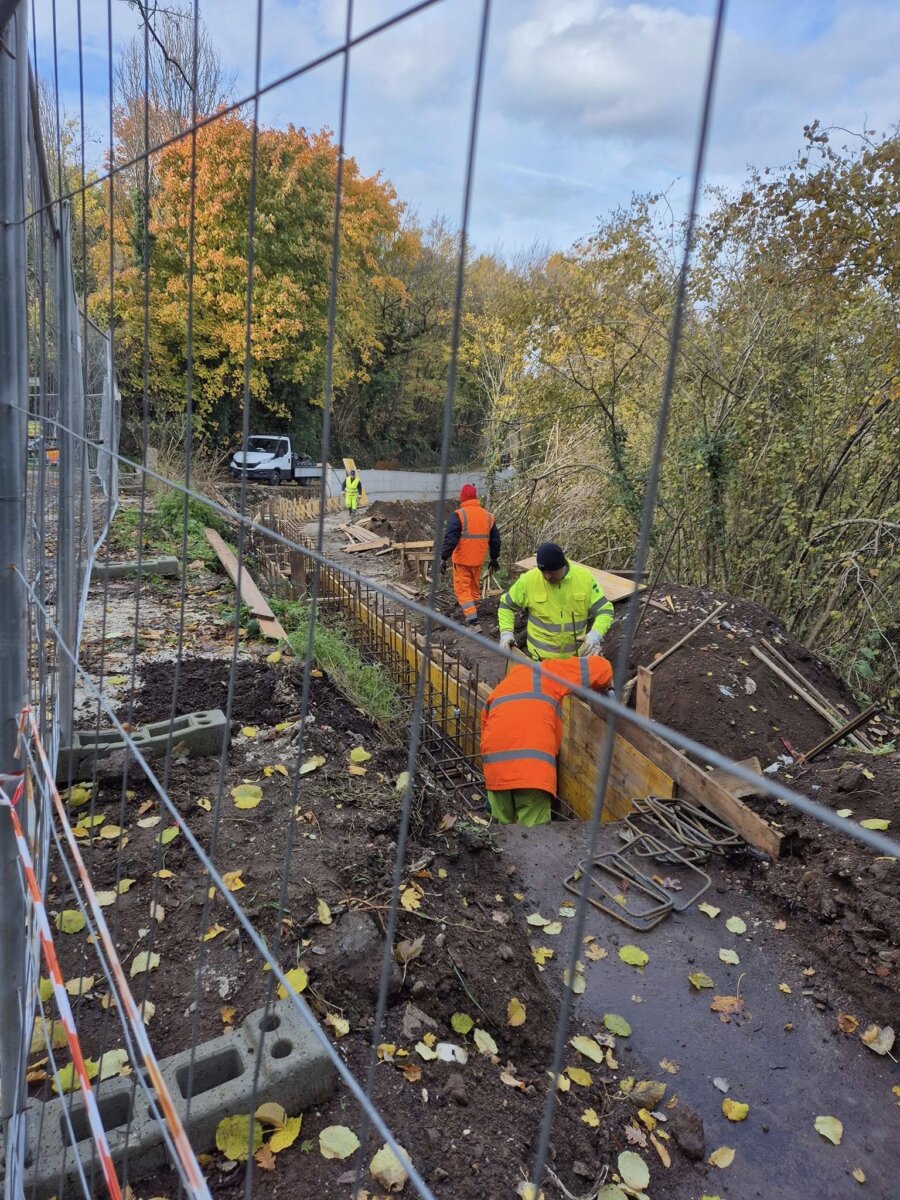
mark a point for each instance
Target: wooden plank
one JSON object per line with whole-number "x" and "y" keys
{"x": 614, "y": 587}
{"x": 644, "y": 691}
{"x": 250, "y": 594}
{"x": 413, "y": 545}
{"x": 696, "y": 785}
{"x": 359, "y": 547}
{"x": 738, "y": 787}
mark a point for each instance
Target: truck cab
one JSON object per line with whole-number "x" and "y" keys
{"x": 270, "y": 458}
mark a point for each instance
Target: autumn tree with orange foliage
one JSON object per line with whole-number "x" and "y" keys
{"x": 294, "y": 213}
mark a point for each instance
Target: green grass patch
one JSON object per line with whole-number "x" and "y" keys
{"x": 367, "y": 685}
{"x": 163, "y": 526}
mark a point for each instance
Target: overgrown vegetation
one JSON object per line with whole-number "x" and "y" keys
{"x": 164, "y": 529}
{"x": 366, "y": 685}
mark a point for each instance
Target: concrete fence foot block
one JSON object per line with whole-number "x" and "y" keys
{"x": 202, "y": 734}
{"x": 127, "y": 570}
{"x": 213, "y": 1083}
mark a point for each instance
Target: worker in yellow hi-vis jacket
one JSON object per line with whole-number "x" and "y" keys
{"x": 352, "y": 488}
{"x": 567, "y": 610}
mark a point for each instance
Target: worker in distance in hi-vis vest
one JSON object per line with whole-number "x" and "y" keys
{"x": 567, "y": 612}
{"x": 352, "y": 488}
{"x": 470, "y": 535}
{"x": 521, "y": 733}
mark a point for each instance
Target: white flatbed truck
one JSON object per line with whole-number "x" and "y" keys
{"x": 270, "y": 458}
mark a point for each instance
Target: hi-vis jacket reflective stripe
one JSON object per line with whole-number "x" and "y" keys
{"x": 521, "y": 725}
{"x": 559, "y": 614}
{"x": 470, "y": 532}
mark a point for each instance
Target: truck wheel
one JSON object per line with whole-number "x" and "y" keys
{"x": 275, "y": 477}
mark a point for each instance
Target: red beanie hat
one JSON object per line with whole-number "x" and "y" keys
{"x": 468, "y": 492}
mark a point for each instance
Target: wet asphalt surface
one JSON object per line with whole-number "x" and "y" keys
{"x": 787, "y": 1076}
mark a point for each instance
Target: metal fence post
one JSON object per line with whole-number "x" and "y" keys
{"x": 68, "y": 384}
{"x": 13, "y": 568}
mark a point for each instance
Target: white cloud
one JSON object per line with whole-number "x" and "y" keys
{"x": 633, "y": 70}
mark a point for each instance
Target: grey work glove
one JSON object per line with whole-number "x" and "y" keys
{"x": 443, "y": 566}
{"x": 593, "y": 645}
{"x": 507, "y": 640}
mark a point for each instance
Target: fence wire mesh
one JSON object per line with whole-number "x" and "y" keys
{"x": 166, "y": 1022}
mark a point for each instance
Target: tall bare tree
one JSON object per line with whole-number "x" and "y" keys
{"x": 159, "y": 80}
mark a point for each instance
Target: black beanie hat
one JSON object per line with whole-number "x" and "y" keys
{"x": 550, "y": 557}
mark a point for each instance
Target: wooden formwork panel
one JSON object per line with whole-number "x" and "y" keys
{"x": 631, "y": 773}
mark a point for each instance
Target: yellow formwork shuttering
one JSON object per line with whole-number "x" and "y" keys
{"x": 631, "y": 774}
{"x": 643, "y": 763}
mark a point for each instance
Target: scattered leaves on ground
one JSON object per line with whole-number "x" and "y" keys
{"x": 233, "y": 881}
{"x": 723, "y": 1157}
{"x": 542, "y": 955}
{"x": 70, "y": 920}
{"x": 462, "y": 1023}
{"x": 699, "y": 979}
{"x": 634, "y": 1171}
{"x": 388, "y": 1170}
{"x": 580, "y": 1076}
{"x": 233, "y": 1137}
{"x": 875, "y": 823}
{"x": 589, "y": 1117}
{"x": 735, "y": 1110}
{"x": 847, "y": 1023}
{"x": 588, "y": 1047}
{"x": 312, "y": 764}
{"x": 729, "y": 1008}
{"x": 359, "y": 754}
{"x": 297, "y": 978}
{"x": 147, "y": 960}
{"x": 617, "y": 1025}
{"x": 634, "y": 956}
{"x": 515, "y": 1012}
{"x": 337, "y": 1141}
{"x": 878, "y": 1039}
{"x": 729, "y": 956}
{"x": 246, "y": 795}
{"x": 830, "y": 1128}
{"x": 411, "y": 898}
{"x": 709, "y": 909}
{"x": 286, "y": 1136}
{"x": 736, "y": 925}
{"x": 485, "y": 1042}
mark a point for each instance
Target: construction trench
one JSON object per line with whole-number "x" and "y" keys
{"x": 774, "y": 1046}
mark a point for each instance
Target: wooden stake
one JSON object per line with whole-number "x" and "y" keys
{"x": 644, "y": 688}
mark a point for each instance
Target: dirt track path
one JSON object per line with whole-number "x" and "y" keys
{"x": 788, "y": 1076}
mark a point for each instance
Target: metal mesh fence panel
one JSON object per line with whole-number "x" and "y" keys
{"x": 204, "y": 928}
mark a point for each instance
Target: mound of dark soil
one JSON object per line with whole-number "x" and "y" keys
{"x": 406, "y": 520}
{"x": 263, "y": 694}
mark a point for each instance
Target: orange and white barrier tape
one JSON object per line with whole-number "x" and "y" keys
{"x": 194, "y": 1180}
{"x": 60, "y": 995}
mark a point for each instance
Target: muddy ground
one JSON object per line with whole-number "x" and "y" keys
{"x": 471, "y": 1129}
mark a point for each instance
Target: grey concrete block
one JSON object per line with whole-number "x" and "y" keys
{"x": 295, "y": 1072}
{"x": 202, "y": 734}
{"x": 125, "y": 570}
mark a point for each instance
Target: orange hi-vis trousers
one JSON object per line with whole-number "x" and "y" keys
{"x": 467, "y": 589}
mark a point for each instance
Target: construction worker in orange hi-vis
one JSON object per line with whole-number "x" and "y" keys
{"x": 470, "y": 534}
{"x": 521, "y": 733}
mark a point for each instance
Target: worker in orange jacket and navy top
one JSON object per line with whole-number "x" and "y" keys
{"x": 470, "y": 535}
{"x": 521, "y": 733}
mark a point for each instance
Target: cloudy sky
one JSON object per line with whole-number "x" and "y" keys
{"x": 585, "y": 101}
